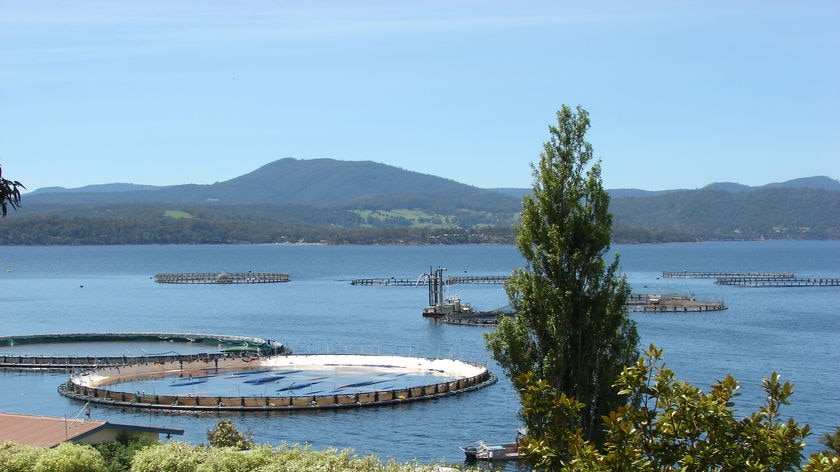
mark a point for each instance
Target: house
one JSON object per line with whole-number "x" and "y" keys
{"x": 46, "y": 431}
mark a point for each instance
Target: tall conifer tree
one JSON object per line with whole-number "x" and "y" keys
{"x": 572, "y": 329}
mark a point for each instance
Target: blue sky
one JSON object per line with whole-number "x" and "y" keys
{"x": 681, "y": 93}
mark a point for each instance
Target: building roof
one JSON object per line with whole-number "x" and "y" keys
{"x": 46, "y": 431}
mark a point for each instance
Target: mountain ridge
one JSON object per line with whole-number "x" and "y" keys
{"x": 288, "y": 181}
{"x": 364, "y": 202}
{"x": 305, "y": 176}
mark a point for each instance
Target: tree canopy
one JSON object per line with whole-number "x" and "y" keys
{"x": 572, "y": 330}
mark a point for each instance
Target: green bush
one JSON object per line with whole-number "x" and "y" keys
{"x": 832, "y": 442}
{"x": 169, "y": 457}
{"x": 18, "y": 458}
{"x": 230, "y": 459}
{"x": 672, "y": 425}
{"x": 119, "y": 454}
{"x": 225, "y": 434}
{"x": 69, "y": 457}
{"x": 180, "y": 457}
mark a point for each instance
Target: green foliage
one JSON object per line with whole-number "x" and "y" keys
{"x": 9, "y": 194}
{"x": 671, "y": 425}
{"x": 225, "y": 434}
{"x": 18, "y": 458}
{"x": 822, "y": 463}
{"x": 119, "y": 454}
{"x": 832, "y": 442}
{"x": 66, "y": 457}
{"x": 675, "y": 424}
{"x": 554, "y": 423}
{"x": 170, "y": 457}
{"x": 180, "y": 457}
{"x": 572, "y": 331}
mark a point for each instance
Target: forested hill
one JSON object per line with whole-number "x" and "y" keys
{"x": 325, "y": 200}
{"x": 709, "y": 214}
{"x": 315, "y": 182}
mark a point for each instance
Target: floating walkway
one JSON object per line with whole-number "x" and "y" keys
{"x": 655, "y": 303}
{"x": 715, "y": 275}
{"x": 423, "y": 281}
{"x": 478, "y": 279}
{"x": 774, "y": 282}
{"x": 222, "y": 278}
{"x": 392, "y": 282}
{"x": 637, "y": 303}
{"x": 755, "y": 279}
{"x": 477, "y": 319}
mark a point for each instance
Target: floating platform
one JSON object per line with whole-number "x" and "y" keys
{"x": 715, "y": 275}
{"x": 655, "y": 303}
{"x": 478, "y": 279}
{"x": 775, "y": 282}
{"x": 391, "y": 282}
{"x": 222, "y": 278}
{"x": 443, "y": 377}
{"x": 478, "y": 319}
{"x": 637, "y": 303}
{"x": 424, "y": 281}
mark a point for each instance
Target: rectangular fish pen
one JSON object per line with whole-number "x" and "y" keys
{"x": 222, "y": 278}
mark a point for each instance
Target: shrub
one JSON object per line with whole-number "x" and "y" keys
{"x": 225, "y": 434}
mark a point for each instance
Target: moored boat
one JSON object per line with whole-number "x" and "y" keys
{"x": 482, "y": 451}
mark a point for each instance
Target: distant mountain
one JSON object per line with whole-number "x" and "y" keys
{"x": 819, "y": 182}
{"x": 364, "y": 202}
{"x": 614, "y": 193}
{"x": 99, "y": 188}
{"x": 513, "y": 192}
{"x": 728, "y": 187}
{"x": 634, "y": 192}
{"x": 805, "y": 208}
{"x": 315, "y": 182}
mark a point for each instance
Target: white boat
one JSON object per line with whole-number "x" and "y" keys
{"x": 491, "y": 452}
{"x": 494, "y": 452}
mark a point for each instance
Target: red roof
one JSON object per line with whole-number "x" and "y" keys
{"x": 46, "y": 431}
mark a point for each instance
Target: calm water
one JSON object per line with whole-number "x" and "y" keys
{"x": 794, "y": 331}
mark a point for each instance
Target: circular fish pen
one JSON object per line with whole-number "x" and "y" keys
{"x": 288, "y": 382}
{"x": 74, "y": 351}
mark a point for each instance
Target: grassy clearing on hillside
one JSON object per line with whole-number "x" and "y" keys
{"x": 404, "y": 217}
{"x": 177, "y": 214}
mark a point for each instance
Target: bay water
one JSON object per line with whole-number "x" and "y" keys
{"x": 103, "y": 289}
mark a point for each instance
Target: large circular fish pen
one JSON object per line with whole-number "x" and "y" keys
{"x": 91, "y": 350}
{"x": 285, "y": 382}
